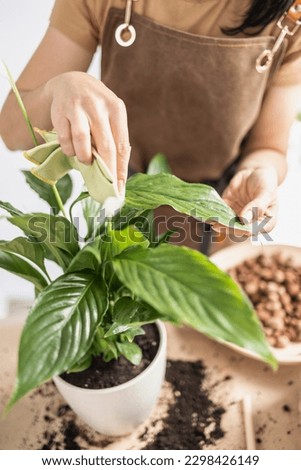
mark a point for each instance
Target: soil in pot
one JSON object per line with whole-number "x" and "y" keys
{"x": 116, "y": 372}
{"x": 273, "y": 284}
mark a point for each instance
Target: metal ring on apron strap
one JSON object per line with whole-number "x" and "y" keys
{"x": 265, "y": 59}
{"x": 126, "y": 27}
{"x": 123, "y": 28}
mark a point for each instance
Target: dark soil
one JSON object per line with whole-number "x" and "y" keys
{"x": 109, "y": 374}
{"x": 193, "y": 421}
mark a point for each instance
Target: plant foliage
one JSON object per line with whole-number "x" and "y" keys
{"x": 123, "y": 277}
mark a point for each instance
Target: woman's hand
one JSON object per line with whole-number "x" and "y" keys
{"x": 85, "y": 112}
{"x": 252, "y": 194}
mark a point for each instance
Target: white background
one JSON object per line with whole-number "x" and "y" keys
{"x": 22, "y": 25}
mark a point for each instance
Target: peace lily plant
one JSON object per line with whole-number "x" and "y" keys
{"x": 121, "y": 277}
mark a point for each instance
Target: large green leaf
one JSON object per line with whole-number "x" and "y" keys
{"x": 183, "y": 285}
{"x": 45, "y": 191}
{"x": 55, "y": 233}
{"x": 199, "y": 200}
{"x": 60, "y": 329}
{"x": 16, "y": 265}
{"x": 158, "y": 165}
{"x": 26, "y": 249}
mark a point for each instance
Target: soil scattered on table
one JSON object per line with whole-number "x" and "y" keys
{"x": 61, "y": 428}
{"x": 193, "y": 420}
{"x": 109, "y": 374}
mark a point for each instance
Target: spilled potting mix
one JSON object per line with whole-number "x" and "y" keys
{"x": 192, "y": 420}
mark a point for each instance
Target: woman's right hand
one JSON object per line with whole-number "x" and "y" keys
{"x": 85, "y": 112}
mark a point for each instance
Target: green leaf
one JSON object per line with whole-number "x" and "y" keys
{"x": 131, "y": 351}
{"x": 127, "y": 216}
{"x": 164, "y": 237}
{"x": 184, "y": 286}
{"x": 45, "y": 191}
{"x": 55, "y": 233}
{"x": 20, "y": 103}
{"x": 198, "y": 200}
{"x": 129, "y": 313}
{"x": 131, "y": 333}
{"x": 59, "y": 330}
{"x": 26, "y": 249}
{"x": 120, "y": 240}
{"x": 92, "y": 214}
{"x": 9, "y": 208}
{"x": 88, "y": 258}
{"x": 83, "y": 364}
{"x": 145, "y": 223}
{"x": 158, "y": 165}
{"x": 16, "y": 265}
{"x": 81, "y": 197}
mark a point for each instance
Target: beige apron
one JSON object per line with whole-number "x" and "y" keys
{"x": 193, "y": 98}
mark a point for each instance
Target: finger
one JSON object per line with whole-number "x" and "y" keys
{"x": 119, "y": 126}
{"x": 81, "y": 137}
{"x": 63, "y": 130}
{"x": 269, "y": 220}
{"x": 219, "y": 228}
{"x": 235, "y": 183}
{"x": 256, "y": 208}
{"x": 104, "y": 143}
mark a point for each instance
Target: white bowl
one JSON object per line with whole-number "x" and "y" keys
{"x": 230, "y": 257}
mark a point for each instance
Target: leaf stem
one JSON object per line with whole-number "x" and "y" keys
{"x": 31, "y": 130}
{"x": 59, "y": 200}
{"x": 20, "y": 103}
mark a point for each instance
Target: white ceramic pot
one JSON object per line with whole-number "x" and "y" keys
{"x": 119, "y": 410}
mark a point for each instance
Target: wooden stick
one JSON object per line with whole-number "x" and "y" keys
{"x": 248, "y": 422}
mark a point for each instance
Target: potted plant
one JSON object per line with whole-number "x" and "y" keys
{"x": 121, "y": 277}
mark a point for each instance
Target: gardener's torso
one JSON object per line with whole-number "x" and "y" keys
{"x": 191, "y": 92}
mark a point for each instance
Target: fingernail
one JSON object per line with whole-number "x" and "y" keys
{"x": 248, "y": 217}
{"x": 268, "y": 213}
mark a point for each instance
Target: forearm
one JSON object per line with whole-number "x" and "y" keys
{"x": 13, "y": 128}
{"x": 265, "y": 158}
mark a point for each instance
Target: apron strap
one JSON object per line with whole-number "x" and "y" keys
{"x": 289, "y": 23}
{"x": 125, "y": 33}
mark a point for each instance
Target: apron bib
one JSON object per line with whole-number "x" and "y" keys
{"x": 193, "y": 98}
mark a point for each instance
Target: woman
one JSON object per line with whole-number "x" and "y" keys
{"x": 199, "y": 80}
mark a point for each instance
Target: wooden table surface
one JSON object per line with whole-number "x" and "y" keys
{"x": 275, "y": 396}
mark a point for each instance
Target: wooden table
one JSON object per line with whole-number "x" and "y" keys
{"x": 275, "y": 396}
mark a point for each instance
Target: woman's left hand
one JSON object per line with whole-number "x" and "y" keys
{"x": 252, "y": 194}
